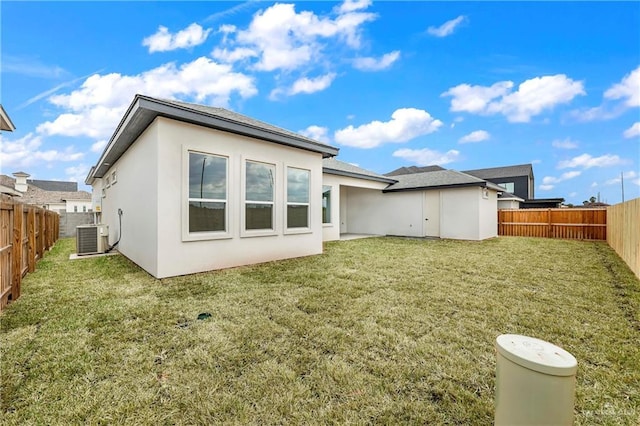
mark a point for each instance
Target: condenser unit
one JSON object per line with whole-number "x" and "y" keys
{"x": 92, "y": 239}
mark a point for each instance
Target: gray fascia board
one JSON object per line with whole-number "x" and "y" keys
{"x": 143, "y": 111}
{"x": 356, "y": 175}
{"x": 426, "y": 188}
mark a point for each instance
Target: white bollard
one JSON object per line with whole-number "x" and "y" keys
{"x": 535, "y": 382}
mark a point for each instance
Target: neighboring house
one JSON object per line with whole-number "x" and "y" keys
{"x": 508, "y": 201}
{"x": 46, "y": 194}
{"x": 542, "y": 203}
{"x": 6, "y": 125}
{"x": 187, "y": 188}
{"x": 517, "y": 180}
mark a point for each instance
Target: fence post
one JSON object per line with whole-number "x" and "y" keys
{"x": 31, "y": 232}
{"x": 16, "y": 279}
{"x": 549, "y": 226}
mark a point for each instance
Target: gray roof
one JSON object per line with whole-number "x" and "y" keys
{"x": 502, "y": 172}
{"x": 436, "y": 179}
{"x": 336, "y": 167}
{"x": 144, "y": 109}
{"x": 414, "y": 169}
{"x": 53, "y": 185}
{"x": 504, "y": 195}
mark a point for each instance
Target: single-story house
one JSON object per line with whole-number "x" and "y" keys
{"x": 187, "y": 188}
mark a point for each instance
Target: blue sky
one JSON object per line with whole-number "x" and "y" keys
{"x": 465, "y": 85}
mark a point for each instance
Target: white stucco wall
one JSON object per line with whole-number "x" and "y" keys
{"x": 88, "y": 205}
{"x": 459, "y": 213}
{"x": 508, "y": 204}
{"x": 394, "y": 213}
{"x": 136, "y": 193}
{"x": 176, "y": 256}
{"x": 340, "y": 185}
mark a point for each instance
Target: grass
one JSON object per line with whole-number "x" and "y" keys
{"x": 383, "y": 330}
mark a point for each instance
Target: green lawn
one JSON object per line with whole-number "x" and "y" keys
{"x": 375, "y": 331}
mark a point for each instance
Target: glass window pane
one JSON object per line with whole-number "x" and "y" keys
{"x": 297, "y": 216}
{"x": 259, "y": 216}
{"x": 260, "y": 181}
{"x": 326, "y": 204}
{"x": 297, "y": 185}
{"x": 206, "y": 216}
{"x": 207, "y": 176}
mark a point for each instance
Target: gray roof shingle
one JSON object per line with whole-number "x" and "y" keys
{"x": 337, "y": 167}
{"x": 435, "y": 179}
{"x": 501, "y": 172}
{"x": 414, "y": 169}
{"x": 54, "y": 185}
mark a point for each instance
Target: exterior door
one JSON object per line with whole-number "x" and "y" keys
{"x": 431, "y": 213}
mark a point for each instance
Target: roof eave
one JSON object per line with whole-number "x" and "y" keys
{"x": 331, "y": 171}
{"x": 143, "y": 110}
{"x": 425, "y": 188}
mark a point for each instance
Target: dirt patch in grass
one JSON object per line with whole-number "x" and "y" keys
{"x": 383, "y": 330}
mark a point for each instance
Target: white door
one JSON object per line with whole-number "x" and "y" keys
{"x": 431, "y": 213}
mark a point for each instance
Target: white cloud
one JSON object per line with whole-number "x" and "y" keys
{"x": 311, "y": 85}
{"x": 286, "y": 40}
{"x": 628, "y": 89}
{"x": 447, "y": 28}
{"x": 544, "y": 187}
{"x": 632, "y": 131}
{"x": 235, "y": 55}
{"x": 476, "y": 136}
{"x": 427, "y": 157}
{"x": 353, "y": 5}
{"x": 547, "y": 180}
{"x": 405, "y": 124}
{"x": 318, "y": 133}
{"x": 532, "y": 97}
{"x": 163, "y": 40}
{"x": 586, "y": 161}
{"x": 26, "y": 152}
{"x": 373, "y": 64}
{"x": 77, "y": 173}
{"x": 97, "y": 106}
{"x": 99, "y": 146}
{"x": 564, "y": 144}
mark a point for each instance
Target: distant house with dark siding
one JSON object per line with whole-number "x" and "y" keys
{"x": 517, "y": 180}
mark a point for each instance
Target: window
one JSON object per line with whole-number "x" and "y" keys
{"x": 207, "y": 193}
{"x": 259, "y": 195}
{"x": 84, "y": 209}
{"x": 75, "y": 209}
{"x": 326, "y": 204}
{"x": 108, "y": 180}
{"x": 297, "y": 198}
{"x": 104, "y": 193}
{"x": 508, "y": 186}
{"x": 113, "y": 177}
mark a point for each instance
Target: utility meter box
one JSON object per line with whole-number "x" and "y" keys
{"x": 535, "y": 382}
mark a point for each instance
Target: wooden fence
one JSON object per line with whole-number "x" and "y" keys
{"x": 26, "y": 232}
{"x": 569, "y": 223}
{"x": 623, "y": 232}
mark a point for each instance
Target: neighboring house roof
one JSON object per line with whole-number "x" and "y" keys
{"x": 5, "y": 122}
{"x": 438, "y": 179}
{"x": 413, "y": 170}
{"x": 54, "y": 185}
{"x": 336, "y": 167}
{"x": 502, "y": 172}
{"x": 144, "y": 109}
{"x": 39, "y": 196}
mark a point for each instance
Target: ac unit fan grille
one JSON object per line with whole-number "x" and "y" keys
{"x": 87, "y": 239}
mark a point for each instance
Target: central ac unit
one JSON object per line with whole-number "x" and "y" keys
{"x": 92, "y": 239}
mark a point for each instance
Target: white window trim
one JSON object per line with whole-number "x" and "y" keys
{"x": 207, "y": 235}
{"x": 286, "y": 203}
{"x": 244, "y": 232}
{"x": 114, "y": 177}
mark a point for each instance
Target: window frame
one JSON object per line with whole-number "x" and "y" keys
{"x": 187, "y": 235}
{"x": 244, "y": 232}
{"x": 308, "y": 204}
